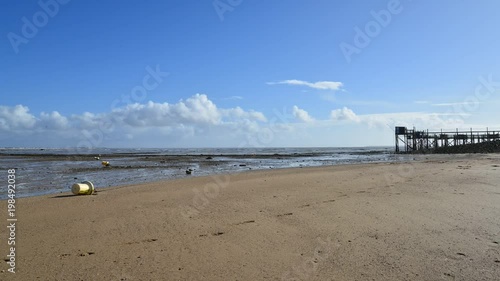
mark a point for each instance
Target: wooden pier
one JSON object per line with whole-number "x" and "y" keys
{"x": 411, "y": 140}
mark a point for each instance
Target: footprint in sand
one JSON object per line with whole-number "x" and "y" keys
{"x": 218, "y": 233}
{"x": 245, "y": 222}
{"x": 493, "y": 253}
{"x": 449, "y": 275}
{"x": 309, "y": 205}
{"x": 143, "y": 241}
{"x": 84, "y": 254}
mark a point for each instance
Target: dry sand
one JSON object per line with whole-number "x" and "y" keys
{"x": 437, "y": 218}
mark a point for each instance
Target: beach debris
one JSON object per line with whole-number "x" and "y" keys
{"x": 83, "y": 188}
{"x": 105, "y": 163}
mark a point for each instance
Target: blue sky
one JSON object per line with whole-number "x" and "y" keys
{"x": 244, "y": 73}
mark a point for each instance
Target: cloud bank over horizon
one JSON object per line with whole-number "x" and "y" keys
{"x": 198, "y": 122}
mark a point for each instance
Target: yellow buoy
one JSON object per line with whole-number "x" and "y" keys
{"x": 83, "y": 188}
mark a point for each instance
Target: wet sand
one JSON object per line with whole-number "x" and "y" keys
{"x": 437, "y": 218}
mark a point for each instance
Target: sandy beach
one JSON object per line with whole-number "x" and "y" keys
{"x": 436, "y": 218}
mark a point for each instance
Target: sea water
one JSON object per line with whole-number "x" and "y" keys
{"x": 54, "y": 170}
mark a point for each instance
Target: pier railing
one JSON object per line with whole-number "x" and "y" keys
{"x": 412, "y": 140}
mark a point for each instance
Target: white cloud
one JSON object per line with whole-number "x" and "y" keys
{"x": 233, "y": 98}
{"x": 238, "y": 113}
{"x": 86, "y": 120}
{"x": 320, "y": 85}
{"x": 197, "y": 109}
{"x": 194, "y": 117}
{"x": 301, "y": 115}
{"x": 53, "y": 121}
{"x": 199, "y": 122}
{"x": 344, "y": 114}
{"x": 17, "y": 117}
{"x": 420, "y": 120}
{"x": 373, "y": 103}
{"x": 456, "y": 103}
